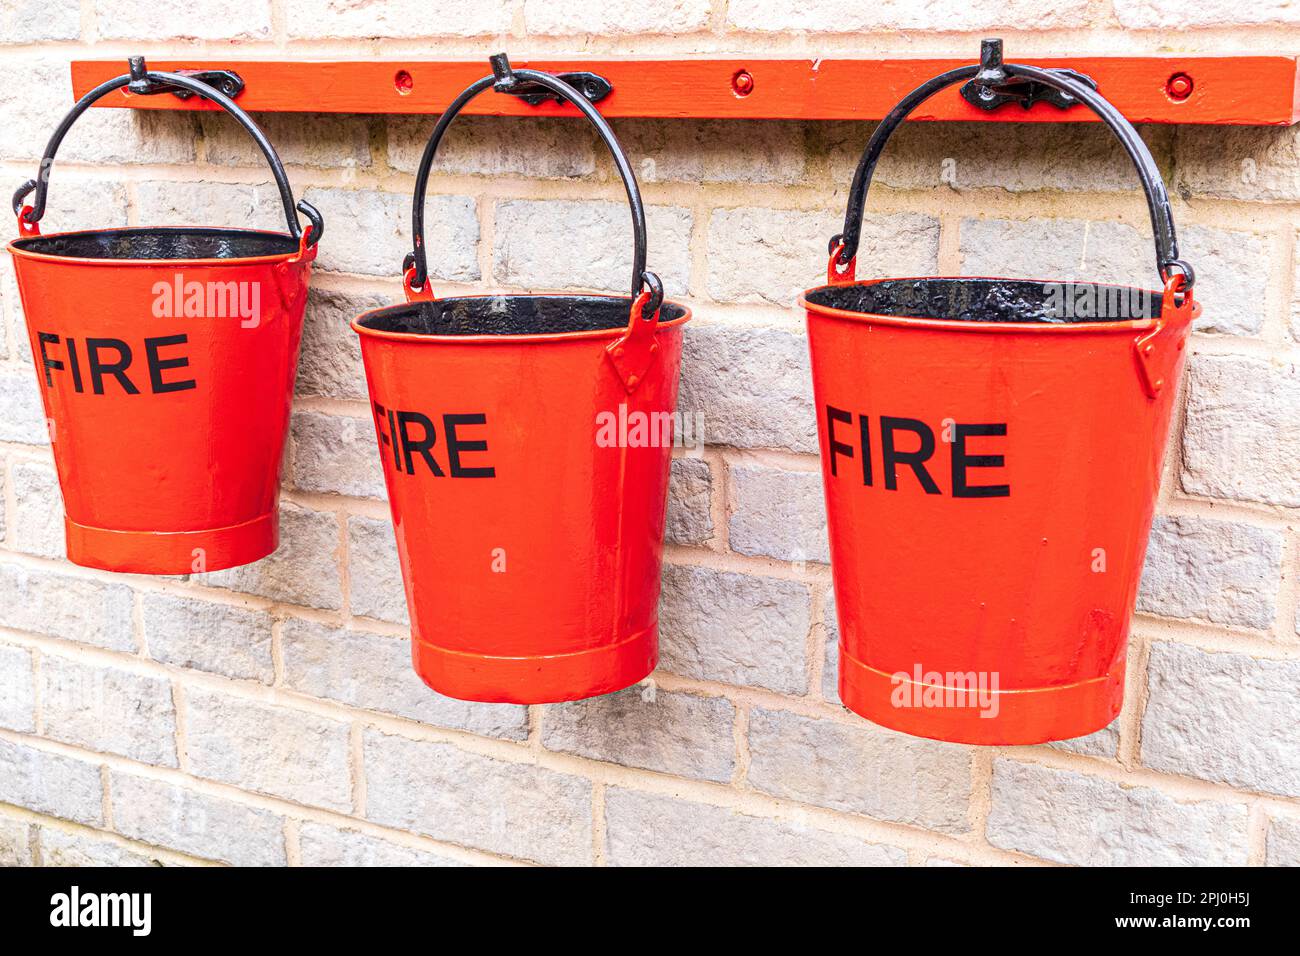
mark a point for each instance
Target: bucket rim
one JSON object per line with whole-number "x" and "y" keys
{"x": 613, "y": 332}
{"x": 953, "y": 325}
{"x": 18, "y": 252}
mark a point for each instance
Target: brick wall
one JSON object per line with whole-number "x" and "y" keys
{"x": 268, "y": 715}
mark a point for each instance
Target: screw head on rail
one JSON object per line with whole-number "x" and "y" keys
{"x": 1179, "y": 86}
{"x": 403, "y": 82}
{"x": 742, "y": 84}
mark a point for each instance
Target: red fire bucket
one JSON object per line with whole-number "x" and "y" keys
{"x": 528, "y": 507}
{"x": 165, "y": 358}
{"x": 991, "y": 453}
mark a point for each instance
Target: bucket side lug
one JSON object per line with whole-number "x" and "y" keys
{"x": 1159, "y": 350}
{"x": 636, "y": 350}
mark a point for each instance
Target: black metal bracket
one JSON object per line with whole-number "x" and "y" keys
{"x": 593, "y": 86}
{"x": 225, "y": 81}
{"x": 992, "y": 88}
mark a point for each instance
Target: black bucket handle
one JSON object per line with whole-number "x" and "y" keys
{"x": 844, "y": 246}
{"x": 504, "y": 79}
{"x": 142, "y": 77}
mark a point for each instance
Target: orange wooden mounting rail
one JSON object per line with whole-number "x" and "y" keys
{"x": 1243, "y": 90}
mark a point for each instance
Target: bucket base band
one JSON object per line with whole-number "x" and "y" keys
{"x": 172, "y": 552}
{"x": 942, "y": 710}
{"x": 537, "y": 679}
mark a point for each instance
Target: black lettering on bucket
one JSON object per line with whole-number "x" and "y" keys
{"x": 840, "y": 445}
{"x": 110, "y": 358}
{"x": 892, "y": 457}
{"x": 47, "y": 363}
{"x": 395, "y": 430}
{"x": 456, "y": 445}
{"x": 961, "y": 461}
{"x": 420, "y": 446}
{"x": 158, "y": 365}
{"x": 99, "y": 368}
{"x": 834, "y": 447}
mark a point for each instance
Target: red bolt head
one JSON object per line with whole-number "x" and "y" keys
{"x": 742, "y": 84}
{"x": 403, "y": 82}
{"x": 1179, "y": 86}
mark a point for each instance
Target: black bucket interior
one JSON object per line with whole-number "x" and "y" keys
{"x": 511, "y": 315}
{"x": 992, "y": 300}
{"x": 161, "y": 243}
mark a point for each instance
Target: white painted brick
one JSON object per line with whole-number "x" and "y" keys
{"x": 518, "y": 810}
{"x": 773, "y": 255}
{"x": 1240, "y": 439}
{"x": 109, "y": 137}
{"x": 268, "y": 749}
{"x": 1071, "y": 817}
{"x": 1251, "y": 163}
{"x": 826, "y": 16}
{"x": 25, "y": 21}
{"x": 80, "y": 203}
{"x": 645, "y": 727}
{"x": 690, "y": 492}
{"x": 736, "y": 628}
{"x": 15, "y": 843}
{"x": 61, "y": 848}
{"x": 1232, "y": 277}
{"x": 17, "y": 689}
{"x": 323, "y": 845}
{"x": 1225, "y": 572}
{"x": 336, "y": 454}
{"x": 37, "y": 92}
{"x": 374, "y": 572}
{"x": 615, "y": 18}
{"x": 327, "y": 19}
{"x": 303, "y": 570}
{"x": 242, "y": 205}
{"x": 778, "y": 514}
{"x": 860, "y": 769}
{"x": 232, "y": 641}
{"x": 108, "y": 709}
{"x": 212, "y": 828}
{"x": 596, "y": 237}
{"x": 831, "y": 663}
{"x": 384, "y": 219}
{"x": 373, "y": 671}
{"x": 1057, "y": 250}
{"x": 652, "y": 830}
{"x": 1283, "y": 843}
{"x": 24, "y": 418}
{"x": 329, "y": 364}
{"x": 1100, "y": 743}
{"x": 1013, "y": 157}
{"x": 50, "y": 783}
{"x": 183, "y": 20}
{"x": 540, "y": 148}
{"x": 327, "y": 140}
{"x": 752, "y": 385}
{"x": 74, "y": 609}
{"x": 34, "y": 94}
{"x": 1295, "y": 288}
{"x": 1150, "y": 14}
{"x": 38, "y": 511}
{"x": 717, "y": 151}
{"x": 1229, "y": 718}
